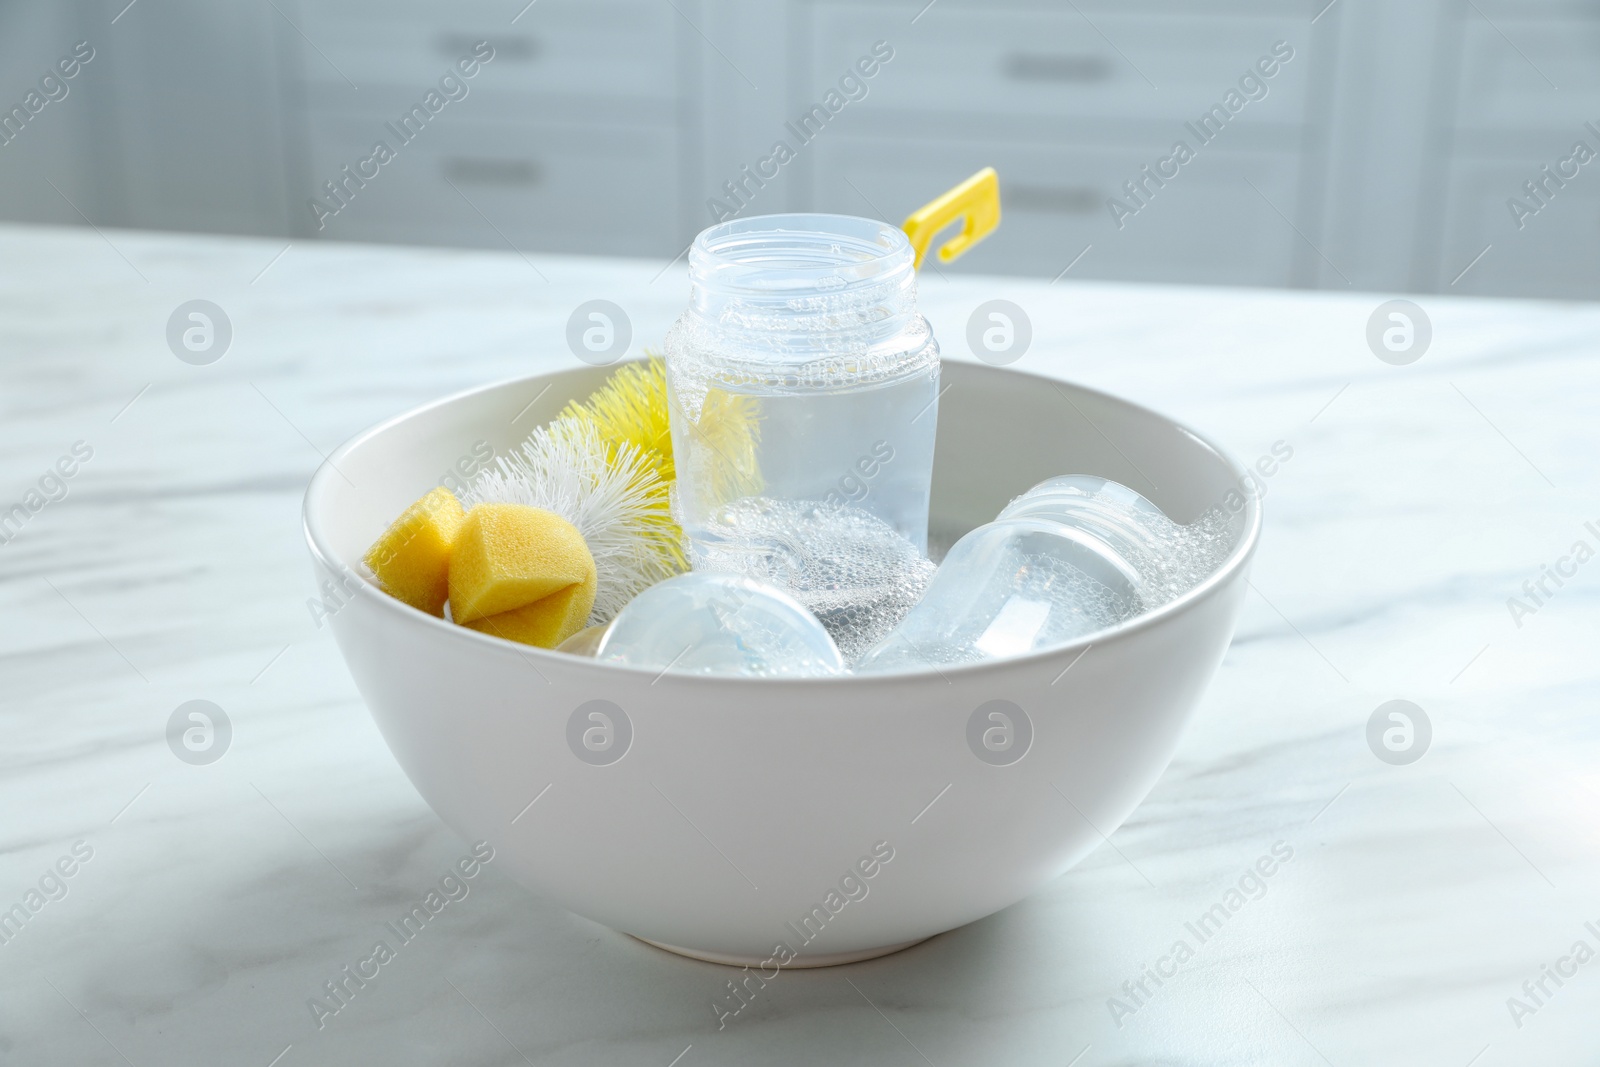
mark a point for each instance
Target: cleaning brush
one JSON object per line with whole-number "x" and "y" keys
{"x": 631, "y": 407}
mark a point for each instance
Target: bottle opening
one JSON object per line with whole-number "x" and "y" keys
{"x": 800, "y": 301}
{"x": 800, "y": 254}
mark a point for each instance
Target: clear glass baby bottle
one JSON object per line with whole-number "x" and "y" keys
{"x": 803, "y": 388}
{"x": 1072, "y": 555}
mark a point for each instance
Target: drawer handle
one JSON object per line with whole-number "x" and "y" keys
{"x": 520, "y": 49}
{"x": 1062, "y": 200}
{"x": 1056, "y": 67}
{"x": 476, "y": 170}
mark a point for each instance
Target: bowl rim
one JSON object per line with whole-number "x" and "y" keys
{"x": 1237, "y": 561}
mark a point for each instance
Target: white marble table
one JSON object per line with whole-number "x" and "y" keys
{"x": 219, "y": 898}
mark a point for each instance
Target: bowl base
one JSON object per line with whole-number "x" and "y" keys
{"x": 800, "y": 962}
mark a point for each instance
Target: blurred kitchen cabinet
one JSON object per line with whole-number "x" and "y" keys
{"x": 196, "y": 123}
{"x": 1332, "y": 143}
{"x": 571, "y": 133}
{"x": 527, "y": 185}
{"x": 1218, "y": 223}
{"x": 1078, "y": 106}
{"x": 51, "y": 159}
{"x": 1519, "y": 208}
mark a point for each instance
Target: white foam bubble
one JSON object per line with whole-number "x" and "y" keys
{"x": 850, "y": 568}
{"x": 1184, "y": 556}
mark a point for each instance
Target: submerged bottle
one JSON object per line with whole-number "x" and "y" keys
{"x": 1072, "y": 555}
{"x": 700, "y": 623}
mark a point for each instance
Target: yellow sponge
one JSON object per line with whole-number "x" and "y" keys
{"x": 512, "y": 558}
{"x": 412, "y": 558}
{"x": 545, "y": 623}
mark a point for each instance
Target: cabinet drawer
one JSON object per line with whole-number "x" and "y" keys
{"x": 1555, "y": 254}
{"x": 605, "y": 49}
{"x": 1504, "y": 88}
{"x": 999, "y": 64}
{"x": 1206, "y": 224}
{"x": 548, "y": 188}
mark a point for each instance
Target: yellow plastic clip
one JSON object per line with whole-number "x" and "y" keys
{"x": 977, "y": 199}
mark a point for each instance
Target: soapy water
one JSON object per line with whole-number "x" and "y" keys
{"x": 860, "y": 578}
{"x": 1185, "y": 556}
{"x": 852, "y": 570}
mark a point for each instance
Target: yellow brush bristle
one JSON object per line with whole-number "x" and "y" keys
{"x": 729, "y": 425}
{"x": 632, "y": 406}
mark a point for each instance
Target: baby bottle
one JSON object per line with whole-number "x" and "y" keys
{"x": 1072, "y": 555}
{"x": 803, "y": 393}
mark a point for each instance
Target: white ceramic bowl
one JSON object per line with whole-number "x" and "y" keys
{"x": 723, "y": 817}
